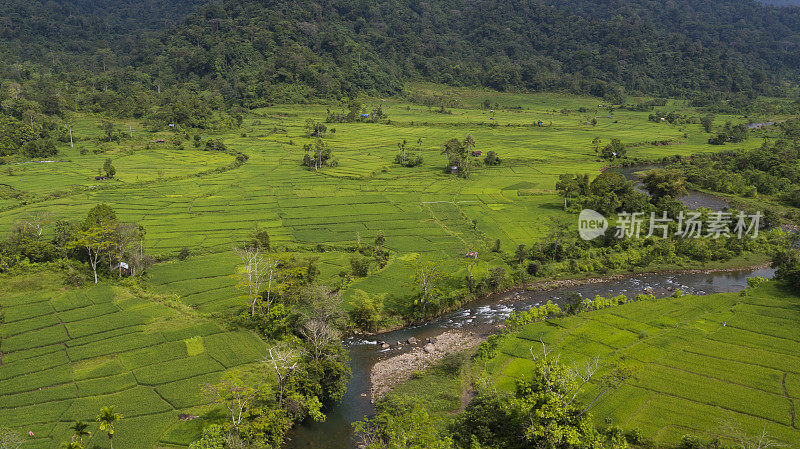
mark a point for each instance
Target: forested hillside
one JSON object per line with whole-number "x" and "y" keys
{"x": 253, "y": 52}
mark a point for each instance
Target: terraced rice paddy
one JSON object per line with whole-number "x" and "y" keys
{"x": 700, "y": 362}
{"x": 420, "y": 210}
{"x": 67, "y": 353}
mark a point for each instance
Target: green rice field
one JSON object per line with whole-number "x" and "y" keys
{"x": 700, "y": 362}
{"x": 69, "y": 352}
{"x": 184, "y": 200}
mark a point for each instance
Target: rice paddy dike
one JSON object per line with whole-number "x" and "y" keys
{"x": 67, "y": 352}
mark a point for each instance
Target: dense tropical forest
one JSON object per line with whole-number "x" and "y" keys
{"x": 341, "y": 224}
{"x": 251, "y": 53}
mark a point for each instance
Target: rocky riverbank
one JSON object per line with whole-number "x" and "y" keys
{"x": 388, "y": 373}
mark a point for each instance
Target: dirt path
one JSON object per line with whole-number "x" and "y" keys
{"x": 467, "y": 392}
{"x": 788, "y": 398}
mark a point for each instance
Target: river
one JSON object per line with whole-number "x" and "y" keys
{"x": 483, "y": 316}
{"x": 693, "y": 199}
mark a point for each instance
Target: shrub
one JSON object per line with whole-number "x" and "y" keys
{"x": 491, "y": 158}
{"x": 360, "y": 265}
{"x": 259, "y": 238}
{"x": 691, "y": 442}
{"x": 755, "y": 281}
{"x": 75, "y": 277}
{"x": 184, "y": 253}
{"x": 366, "y": 312}
{"x": 451, "y": 364}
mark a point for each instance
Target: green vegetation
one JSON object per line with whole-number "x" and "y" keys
{"x": 178, "y": 71}
{"x": 713, "y": 369}
{"x": 68, "y": 353}
{"x": 198, "y": 198}
{"x": 769, "y": 171}
{"x": 390, "y": 239}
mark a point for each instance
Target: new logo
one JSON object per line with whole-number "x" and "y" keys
{"x": 591, "y": 224}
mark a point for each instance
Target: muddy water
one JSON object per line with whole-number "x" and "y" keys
{"x": 483, "y": 317}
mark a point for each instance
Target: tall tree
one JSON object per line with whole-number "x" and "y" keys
{"x": 79, "y": 431}
{"x": 427, "y": 277}
{"x": 257, "y": 271}
{"x": 235, "y": 394}
{"x": 97, "y": 241}
{"x": 107, "y": 419}
{"x": 284, "y": 360}
{"x": 322, "y": 312}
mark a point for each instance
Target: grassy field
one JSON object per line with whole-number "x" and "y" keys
{"x": 69, "y": 352}
{"x": 700, "y": 361}
{"x": 421, "y": 210}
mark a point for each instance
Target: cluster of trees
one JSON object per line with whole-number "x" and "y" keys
{"x": 294, "y": 382}
{"x": 459, "y": 155}
{"x": 563, "y": 252}
{"x": 102, "y": 242}
{"x": 34, "y": 138}
{"x": 408, "y": 157}
{"x": 672, "y": 117}
{"x": 305, "y": 369}
{"x": 733, "y": 134}
{"x": 356, "y": 112}
{"x": 607, "y": 193}
{"x": 318, "y": 154}
{"x": 772, "y": 169}
{"x": 610, "y": 193}
{"x": 787, "y": 268}
{"x": 613, "y": 150}
{"x": 543, "y": 411}
{"x": 106, "y": 421}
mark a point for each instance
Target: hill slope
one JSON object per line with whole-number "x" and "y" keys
{"x": 254, "y": 51}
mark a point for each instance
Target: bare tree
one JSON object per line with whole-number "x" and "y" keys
{"x": 128, "y": 239}
{"x": 235, "y": 395}
{"x": 319, "y": 333}
{"x": 323, "y": 308}
{"x": 567, "y": 384}
{"x": 257, "y": 271}
{"x": 284, "y": 360}
{"x": 36, "y": 222}
{"x": 69, "y": 127}
{"x": 742, "y": 440}
{"x": 137, "y": 259}
{"x": 428, "y": 277}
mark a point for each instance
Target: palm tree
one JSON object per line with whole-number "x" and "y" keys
{"x": 469, "y": 147}
{"x": 79, "y": 431}
{"x": 106, "y": 419}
